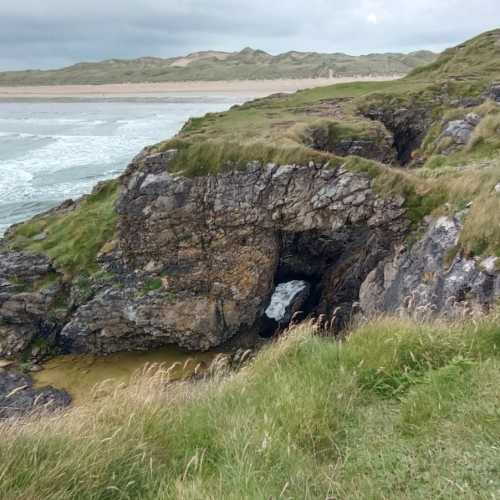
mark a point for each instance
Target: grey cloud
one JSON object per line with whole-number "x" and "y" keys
{"x": 50, "y": 33}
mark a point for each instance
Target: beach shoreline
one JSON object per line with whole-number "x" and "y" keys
{"x": 158, "y": 90}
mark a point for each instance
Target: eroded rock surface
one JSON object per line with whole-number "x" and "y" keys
{"x": 460, "y": 131}
{"x": 425, "y": 281}
{"x": 408, "y": 127}
{"x": 376, "y": 145}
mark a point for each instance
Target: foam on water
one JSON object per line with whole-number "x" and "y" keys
{"x": 284, "y": 294}
{"x": 53, "y": 151}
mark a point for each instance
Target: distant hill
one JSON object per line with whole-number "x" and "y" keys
{"x": 477, "y": 58}
{"x": 248, "y": 64}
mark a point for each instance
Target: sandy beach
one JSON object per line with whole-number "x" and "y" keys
{"x": 158, "y": 90}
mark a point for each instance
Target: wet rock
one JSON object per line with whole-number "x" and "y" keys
{"x": 422, "y": 282}
{"x": 19, "y": 398}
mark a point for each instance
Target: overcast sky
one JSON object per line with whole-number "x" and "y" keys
{"x": 53, "y": 33}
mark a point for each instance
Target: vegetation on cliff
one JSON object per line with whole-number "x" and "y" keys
{"x": 247, "y": 64}
{"x": 72, "y": 237}
{"x": 399, "y": 410}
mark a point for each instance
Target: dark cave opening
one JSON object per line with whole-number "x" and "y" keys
{"x": 406, "y": 141}
{"x": 408, "y": 128}
{"x": 334, "y": 264}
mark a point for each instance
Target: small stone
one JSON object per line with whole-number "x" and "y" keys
{"x": 35, "y": 368}
{"x": 473, "y": 119}
{"x": 489, "y": 264}
{"x": 497, "y": 188}
{"x": 40, "y": 237}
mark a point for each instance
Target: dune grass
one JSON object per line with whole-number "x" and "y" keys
{"x": 400, "y": 410}
{"x": 476, "y": 58}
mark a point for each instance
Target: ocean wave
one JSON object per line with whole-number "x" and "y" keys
{"x": 50, "y": 152}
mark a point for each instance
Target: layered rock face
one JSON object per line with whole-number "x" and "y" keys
{"x": 425, "y": 280}
{"x": 214, "y": 247}
{"x": 379, "y": 146}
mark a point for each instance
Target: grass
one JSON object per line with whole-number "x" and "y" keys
{"x": 280, "y": 121}
{"x": 400, "y": 410}
{"x": 73, "y": 238}
{"x": 476, "y": 58}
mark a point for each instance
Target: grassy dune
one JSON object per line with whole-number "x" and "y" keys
{"x": 247, "y": 64}
{"x": 399, "y": 410}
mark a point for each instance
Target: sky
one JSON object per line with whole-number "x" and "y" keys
{"x": 54, "y": 33}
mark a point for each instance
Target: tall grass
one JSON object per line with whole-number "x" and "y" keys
{"x": 399, "y": 410}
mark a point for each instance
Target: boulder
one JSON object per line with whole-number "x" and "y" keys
{"x": 459, "y": 130}
{"x": 19, "y": 398}
{"x": 494, "y": 92}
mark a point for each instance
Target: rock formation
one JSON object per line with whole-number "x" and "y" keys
{"x": 215, "y": 247}
{"x": 423, "y": 282}
{"x": 24, "y": 311}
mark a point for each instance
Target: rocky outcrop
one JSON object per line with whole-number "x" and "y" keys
{"x": 24, "y": 312}
{"x": 427, "y": 279}
{"x": 197, "y": 259}
{"x": 460, "y": 131}
{"x": 19, "y": 398}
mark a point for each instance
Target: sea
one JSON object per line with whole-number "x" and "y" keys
{"x": 52, "y": 151}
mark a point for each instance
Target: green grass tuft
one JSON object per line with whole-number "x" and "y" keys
{"x": 73, "y": 239}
